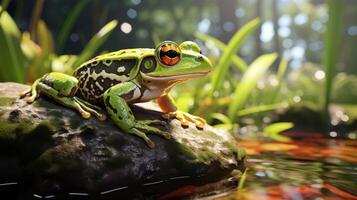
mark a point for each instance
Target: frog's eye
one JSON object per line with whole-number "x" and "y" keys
{"x": 169, "y": 53}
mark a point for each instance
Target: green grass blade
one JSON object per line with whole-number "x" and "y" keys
{"x": 262, "y": 108}
{"x": 236, "y": 60}
{"x": 242, "y": 179}
{"x": 69, "y": 22}
{"x": 221, "y": 117}
{"x": 281, "y": 72}
{"x": 4, "y": 5}
{"x": 273, "y": 131}
{"x": 332, "y": 42}
{"x": 97, "y": 40}
{"x": 12, "y": 65}
{"x": 249, "y": 81}
{"x": 234, "y": 44}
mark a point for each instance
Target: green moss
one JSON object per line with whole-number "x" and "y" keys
{"x": 4, "y": 101}
{"x": 10, "y": 130}
{"x": 50, "y": 163}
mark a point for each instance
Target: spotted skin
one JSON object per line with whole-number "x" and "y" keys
{"x": 117, "y": 79}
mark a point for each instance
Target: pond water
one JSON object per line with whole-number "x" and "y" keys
{"x": 309, "y": 167}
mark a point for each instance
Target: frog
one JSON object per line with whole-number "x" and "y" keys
{"x": 113, "y": 81}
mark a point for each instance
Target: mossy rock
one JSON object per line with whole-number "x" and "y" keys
{"x": 48, "y": 150}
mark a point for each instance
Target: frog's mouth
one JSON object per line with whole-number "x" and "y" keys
{"x": 176, "y": 77}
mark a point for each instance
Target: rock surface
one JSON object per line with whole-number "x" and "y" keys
{"x": 48, "y": 150}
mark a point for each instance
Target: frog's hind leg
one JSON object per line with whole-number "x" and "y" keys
{"x": 66, "y": 101}
{"x": 91, "y": 108}
{"x": 32, "y": 92}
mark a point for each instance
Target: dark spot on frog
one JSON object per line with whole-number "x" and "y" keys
{"x": 107, "y": 103}
{"x": 95, "y": 63}
{"x": 14, "y": 116}
{"x": 128, "y": 64}
{"x": 148, "y": 64}
{"x": 106, "y": 83}
{"x": 120, "y": 117}
{"x": 127, "y": 97}
{"x": 121, "y": 53}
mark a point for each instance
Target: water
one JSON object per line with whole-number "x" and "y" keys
{"x": 309, "y": 167}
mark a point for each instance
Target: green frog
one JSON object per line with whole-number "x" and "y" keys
{"x": 128, "y": 76}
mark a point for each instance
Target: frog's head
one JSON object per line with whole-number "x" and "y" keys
{"x": 176, "y": 63}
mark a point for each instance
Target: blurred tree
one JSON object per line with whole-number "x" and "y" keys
{"x": 228, "y": 20}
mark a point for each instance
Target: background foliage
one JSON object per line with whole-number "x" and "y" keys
{"x": 272, "y": 58}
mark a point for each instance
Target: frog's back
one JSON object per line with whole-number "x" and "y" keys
{"x": 102, "y": 72}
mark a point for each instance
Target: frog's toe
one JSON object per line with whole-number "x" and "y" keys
{"x": 85, "y": 115}
{"x": 199, "y": 122}
{"x": 141, "y": 125}
{"x": 25, "y": 93}
{"x": 31, "y": 99}
{"x": 157, "y": 121}
{"x": 142, "y": 135}
{"x": 102, "y": 117}
{"x": 150, "y": 143}
{"x": 177, "y": 115}
{"x": 186, "y": 118}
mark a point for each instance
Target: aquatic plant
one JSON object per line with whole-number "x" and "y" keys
{"x": 28, "y": 55}
{"x": 332, "y": 42}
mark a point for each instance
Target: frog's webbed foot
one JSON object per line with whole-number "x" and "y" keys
{"x": 144, "y": 125}
{"x": 185, "y": 118}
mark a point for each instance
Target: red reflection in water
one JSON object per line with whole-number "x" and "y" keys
{"x": 309, "y": 167}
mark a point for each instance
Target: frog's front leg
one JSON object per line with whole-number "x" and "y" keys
{"x": 115, "y": 100}
{"x": 167, "y": 105}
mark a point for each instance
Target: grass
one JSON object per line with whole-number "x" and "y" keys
{"x": 27, "y": 56}
{"x": 248, "y": 82}
{"x": 96, "y": 41}
{"x": 220, "y": 72}
{"x": 332, "y": 41}
{"x": 12, "y": 65}
{"x": 69, "y": 23}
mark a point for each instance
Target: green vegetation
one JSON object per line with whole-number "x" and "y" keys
{"x": 246, "y": 87}
{"x": 32, "y": 53}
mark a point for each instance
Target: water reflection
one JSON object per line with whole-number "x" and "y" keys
{"x": 312, "y": 168}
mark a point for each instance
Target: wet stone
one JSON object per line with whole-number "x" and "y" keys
{"x": 65, "y": 156}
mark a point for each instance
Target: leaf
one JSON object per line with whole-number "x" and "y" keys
{"x": 273, "y": 131}
{"x": 234, "y": 44}
{"x": 97, "y": 40}
{"x": 236, "y": 60}
{"x": 45, "y": 39}
{"x": 280, "y": 75}
{"x": 4, "y": 5}
{"x": 221, "y": 117}
{"x": 226, "y": 122}
{"x": 69, "y": 22}
{"x": 183, "y": 101}
{"x": 249, "y": 81}
{"x": 242, "y": 179}
{"x": 261, "y": 108}
{"x": 332, "y": 40}
{"x": 12, "y": 65}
